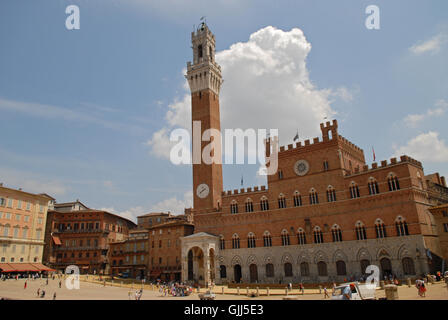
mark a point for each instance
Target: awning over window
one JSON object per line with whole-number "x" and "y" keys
{"x": 56, "y": 240}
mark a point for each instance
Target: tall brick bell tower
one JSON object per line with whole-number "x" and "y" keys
{"x": 204, "y": 78}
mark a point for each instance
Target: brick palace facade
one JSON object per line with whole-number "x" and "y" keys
{"x": 325, "y": 215}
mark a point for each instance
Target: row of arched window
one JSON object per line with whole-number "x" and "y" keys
{"x": 313, "y": 196}
{"x": 401, "y": 228}
{"x": 322, "y": 270}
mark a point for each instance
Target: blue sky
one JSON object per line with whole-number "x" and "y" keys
{"x": 79, "y": 107}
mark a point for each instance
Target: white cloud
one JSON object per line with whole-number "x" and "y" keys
{"x": 432, "y": 45}
{"x": 425, "y": 147}
{"x": 174, "y": 205}
{"x": 343, "y": 93}
{"x": 160, "y": 144}
{"x": 266, "y": 85}
{"x": 260, "y": 178}
{"x": 412, "y": 120}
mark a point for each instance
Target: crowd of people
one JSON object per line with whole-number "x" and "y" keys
{"x": 174, "y": 289}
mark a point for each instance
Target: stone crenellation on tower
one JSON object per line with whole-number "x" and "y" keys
{"x": 204, "y": 72}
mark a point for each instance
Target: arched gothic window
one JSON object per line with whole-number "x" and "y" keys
{"x": 233, "y": 207}
{"x": 354, "y": 190}
{"x": 301, "y": 237}
{"x": 267, "y": 239}
{"x": 331, "y": 194}
{"x": 251, "y": 240}
{"x": 264, "y": 204}
{"x": 380, "y": 229}
{"x": 297, "y": 199}
{"x": 222, "y": 242}
{"x": 360, "y": 231}
{"x": 285, "y": 238}
{"x": 281, "y": 201}
{"x": 235, "y": 241}
{"x": 373, "y": 186}
{"x": 318, "y": 236}
{"x": 401, "y": 227}
{"x": 314, "y": 199}
{"x": 392, "y": 182}
{"x": 336, "y": 233}
{"x": 249, "y": 205}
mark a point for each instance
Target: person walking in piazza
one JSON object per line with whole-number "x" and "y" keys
{"x": 420, "y": 285}
{"x": 326, "y": 293}
{"x": 54, "y": 296}
{"x": 24, "y": 286}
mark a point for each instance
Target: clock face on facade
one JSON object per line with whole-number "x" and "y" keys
{"x": 301, "y": 167}
{"x": 202, "y": 190}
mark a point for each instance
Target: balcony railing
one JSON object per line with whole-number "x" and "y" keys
{"x": 80, "y": 248}
{"x": 80, "y": 231}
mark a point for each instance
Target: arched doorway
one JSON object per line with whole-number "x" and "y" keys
{"x": 237, "y": 273}
{"x": 364, "y": 264}
{"x": 408, "y": 266}
{"x": 253, "y": 273}
{"x": 386, "y": 266}
{"x": 223, "y": 272}
{"x": 288, "y": 269}
{"x": 341, "y": 268}
{"x": 322, "y": 269}
{"x": 196, "y": 266}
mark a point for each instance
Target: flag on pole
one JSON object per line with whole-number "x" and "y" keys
{"x": 374, "y": 158}
{"x": 296, "y": 137}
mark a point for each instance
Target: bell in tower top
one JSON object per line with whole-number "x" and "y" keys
{"x": 204, "y": 72}
{"x": 203, "y": 41}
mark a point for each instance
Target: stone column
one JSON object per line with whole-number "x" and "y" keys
{"x": 206, "y": 269}
{"x": 184, "y": 269}
{"x": 195, "y": 268}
